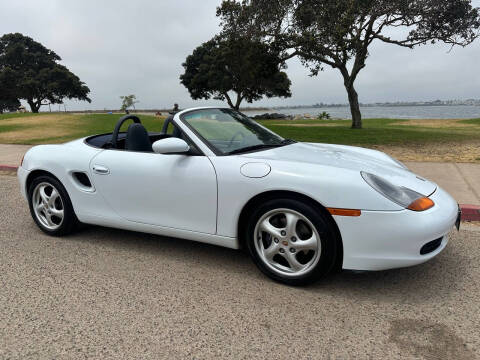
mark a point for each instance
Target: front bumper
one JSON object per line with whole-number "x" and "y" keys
{"x": 380, "y": 240}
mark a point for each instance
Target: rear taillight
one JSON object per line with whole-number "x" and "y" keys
{"x": 21, "y": 162}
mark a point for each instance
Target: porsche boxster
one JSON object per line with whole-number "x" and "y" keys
{"x": 214, "y": 175}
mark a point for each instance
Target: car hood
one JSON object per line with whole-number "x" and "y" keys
{"x": 349, "y": 158}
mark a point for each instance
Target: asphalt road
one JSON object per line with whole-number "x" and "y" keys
{"x": 104, "y": 293}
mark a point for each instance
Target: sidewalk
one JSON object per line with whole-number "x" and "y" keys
{"x": 461, "y": 180}
{"x": 11, "y": 155}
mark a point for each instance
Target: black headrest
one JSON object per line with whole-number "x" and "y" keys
{"x": 137, "y": 139}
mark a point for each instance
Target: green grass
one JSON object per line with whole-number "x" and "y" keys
{"x": 18, "y": 115}
{"x": 11, "y": 127}
{"x": 104, "y": 123}
{"x": 61, "y": 127}
{"x": 374, "y": 132}
{"x": 471, "y": 121}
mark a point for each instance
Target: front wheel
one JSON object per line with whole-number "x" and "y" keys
{"x": 50, "y": 206}
{"x": 291, "y": 241}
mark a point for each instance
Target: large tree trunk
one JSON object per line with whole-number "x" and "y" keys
{"x": 34, "y": 105}
{"x": 239, "y": 101}
{"x": 348, "y": 80}
{"x": 354, "y": 107}
{"x": 229, "y": 100}
{"x": 235, "y": 106}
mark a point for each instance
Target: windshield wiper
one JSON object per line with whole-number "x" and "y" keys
{"x": 253, "y": 147}
{"x": 261, "y": 146}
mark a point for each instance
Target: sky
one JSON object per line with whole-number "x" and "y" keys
{"x": 120, "y": 47}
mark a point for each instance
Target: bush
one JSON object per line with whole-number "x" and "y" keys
{"x": 323, "y": 116}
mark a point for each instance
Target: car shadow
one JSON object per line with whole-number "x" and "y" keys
{"x": 439, "y": 277}
{"x": 177, "y": 249}
{"x": 435, "y": 280}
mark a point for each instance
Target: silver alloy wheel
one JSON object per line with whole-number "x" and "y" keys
{"x": 287, "y": 242}
{"x": 48, "y": 205}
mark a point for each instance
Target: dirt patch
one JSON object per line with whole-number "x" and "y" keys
{"x": 37, "y": 127}
{"x": 427, "y": 339}
{"x": 39, "y": 120}
{"x": 437, "y": 152}
{"x": 22, "y": 135}
{"x": 434, "y": 123}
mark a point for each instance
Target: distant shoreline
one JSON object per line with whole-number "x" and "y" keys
{"x": 336, "y": 112}
{"x": 365, "y": 105}
{"x": 270, "y": 108}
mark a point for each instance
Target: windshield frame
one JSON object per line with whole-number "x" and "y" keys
{"x": 207, "y": 143}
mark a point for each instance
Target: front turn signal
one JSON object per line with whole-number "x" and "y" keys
{"x": 421, "y": 204}
{"x": 344, "y": 212}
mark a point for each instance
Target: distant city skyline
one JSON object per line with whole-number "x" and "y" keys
{"x": 438, "y": 102}
{"x": 122, "y": 47}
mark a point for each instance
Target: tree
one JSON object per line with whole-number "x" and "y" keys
{"x": 248, "y": 69}
{"x": 338, "y": 33}
{"x": 128, "y": 101}
{"x": 33, "y": 73}
{"x": 8, "y": 104}
{"x": 8, "y": 101}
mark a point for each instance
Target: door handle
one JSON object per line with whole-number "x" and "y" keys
{"x": 102, "y": 170}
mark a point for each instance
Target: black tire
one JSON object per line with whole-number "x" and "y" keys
{"x": 69, "y": 222}
{"x": 323, "y": 223}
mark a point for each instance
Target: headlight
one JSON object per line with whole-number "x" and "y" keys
{"x": 403, "y": 196}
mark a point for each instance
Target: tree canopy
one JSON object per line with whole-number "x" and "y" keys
{"x": 338, "y": 33}
{"x": 8, "y": 104}
{"x": 31, "y": 71}
{"x": 222, "y": 66}
{"x": 8, "y": 100}
{"x": 128, "y": 101}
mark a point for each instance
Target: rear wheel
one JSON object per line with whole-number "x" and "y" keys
{"x": 291, "y": 241}
{"x": 50, "y": 206}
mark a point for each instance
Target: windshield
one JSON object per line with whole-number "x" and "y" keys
{"x": 230, "y": 132}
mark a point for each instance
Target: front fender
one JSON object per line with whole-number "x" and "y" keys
{"x": 328, "y": 185}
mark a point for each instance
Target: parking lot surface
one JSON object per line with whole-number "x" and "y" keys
{"x": 105, "y": 293}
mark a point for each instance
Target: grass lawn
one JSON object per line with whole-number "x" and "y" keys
{"x": 45, "y": 128}
{"x": 377, "y": 131}
{"x": 428, "y": 140}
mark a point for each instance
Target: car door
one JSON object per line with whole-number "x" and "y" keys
{"x": 170, "y": 190}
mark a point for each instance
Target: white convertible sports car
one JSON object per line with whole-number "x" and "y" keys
{"x": 213, "y": 175}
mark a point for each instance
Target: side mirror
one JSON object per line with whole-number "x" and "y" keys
{"x": 170, "y": 146}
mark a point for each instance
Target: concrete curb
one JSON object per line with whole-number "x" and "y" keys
{"x": 469, "y": 212}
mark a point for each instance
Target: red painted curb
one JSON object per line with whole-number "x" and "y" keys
{"x": 469, "y": 212}
{"x": 8, "y": 168}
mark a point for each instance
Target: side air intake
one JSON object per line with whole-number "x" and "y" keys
{"x": 82, "y": 179}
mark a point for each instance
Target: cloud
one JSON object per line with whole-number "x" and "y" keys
{"x": 121, "y": 47}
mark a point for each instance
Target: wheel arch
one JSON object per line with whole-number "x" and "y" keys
{"x": 286, "y": 194}
{"x": 36, "y": 173}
